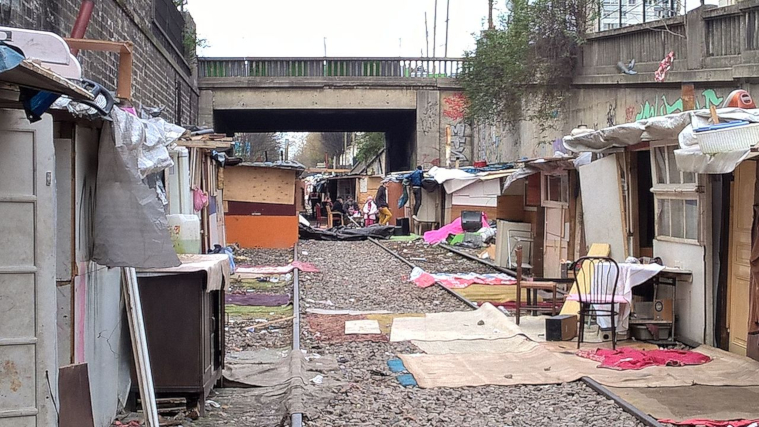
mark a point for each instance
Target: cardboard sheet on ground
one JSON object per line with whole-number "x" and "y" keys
{"x": 517, "y": 344}
{"x": 286, "y": 382}
{"x": 542, "y": 366}
{"x": 362, "y": 327}
{"x": 682, "y": 403}
{"x": 457, "y": 325}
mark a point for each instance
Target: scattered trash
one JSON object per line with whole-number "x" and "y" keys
{"x": 318, "y": 379}
{"x": 481, "y": 323}
{"x": 212, "y": 404}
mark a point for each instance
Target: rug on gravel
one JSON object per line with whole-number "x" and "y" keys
{"x": 712, "y": 423}
{"x": 424, "y": 279}
{"x": 357, "y": 327}
{"x": 542, "y": 366}
{"x": 302, "y": 266}
{"x": 493, "y": 293}
{"x": 626, "y": 358}
{"x": 259, "y": 299}
{"x": 331, "y": 329}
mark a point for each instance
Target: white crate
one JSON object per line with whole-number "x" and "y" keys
{"x": 730, "y": 139}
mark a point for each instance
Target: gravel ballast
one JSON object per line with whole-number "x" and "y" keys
{"x": 362, "y": 276}
{"x": 370, "y": 395}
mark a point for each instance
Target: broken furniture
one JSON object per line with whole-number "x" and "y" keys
{"x": 654, "y": 321}
{"x": 183, "y": 312}
{"x": 596, "y": 278}
{"x": 522, "y": 284}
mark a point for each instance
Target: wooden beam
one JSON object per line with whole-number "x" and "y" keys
{"x": 124, "y": 49}
{"x": 212, "y": 145}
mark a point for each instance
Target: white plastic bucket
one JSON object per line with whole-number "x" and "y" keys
{"x": 185, "y": 233}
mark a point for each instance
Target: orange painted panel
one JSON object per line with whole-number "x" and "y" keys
{"x": 260, "y": 231}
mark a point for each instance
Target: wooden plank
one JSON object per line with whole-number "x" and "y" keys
{"x": 279, "y": 232}
{"x": 259, "y": 184}
{"x": 210, "y": 145}
{"x": 573, "y": 307}
{"x": 602, "y": 205}
{"x": 98, "y": 45}
{"x": 75, "y": 398}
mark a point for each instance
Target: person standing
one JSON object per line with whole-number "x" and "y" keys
{"x": 370, "y": 212}
{"x": 415, "y": 179}
{"x": 382, "y": 205}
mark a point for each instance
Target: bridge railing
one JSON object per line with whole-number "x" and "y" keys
{"x": 706, "y": 38}
{"x": 330, "y": 67}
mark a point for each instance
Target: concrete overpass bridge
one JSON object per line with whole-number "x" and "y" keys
{"x": 412, "y": 100}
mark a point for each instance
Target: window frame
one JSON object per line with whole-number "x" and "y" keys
{"x": 675, "y": 191}
{"x": 544, "y": 190}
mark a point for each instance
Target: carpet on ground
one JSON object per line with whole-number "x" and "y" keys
{"x": 331, "y": 328}
{"x": 542, "y": 366}
{"x": 694, "y": 402}
{"x": 493, "y": 293}
{"x": 516, "y": 344}
{"x": 259, "y": 299}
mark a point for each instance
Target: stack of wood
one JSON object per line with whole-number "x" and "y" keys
{"x": 212, "y": 141}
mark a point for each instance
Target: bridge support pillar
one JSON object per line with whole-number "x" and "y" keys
{"x": 205, "y": 108}
{"x": 428, "y": 151}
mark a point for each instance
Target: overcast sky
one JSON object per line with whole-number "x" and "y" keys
{"x": 351, "y": 27}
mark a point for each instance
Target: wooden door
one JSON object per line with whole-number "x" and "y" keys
{"x": 555, "y": 241}
{"x": 739, "y": 268}
{"x": 27, "y": 272}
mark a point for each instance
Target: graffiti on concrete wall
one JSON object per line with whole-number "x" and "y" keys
{"x": 453, "y": 115}
{"x": 460, "y": 141}
{"x": 611, "y": 114}
{"x": 488, "y": 142}
{"x": 661, "y": 106}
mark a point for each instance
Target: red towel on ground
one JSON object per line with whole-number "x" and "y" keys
{"x": 626, "y": 358}
{"x": 710, "y": 423}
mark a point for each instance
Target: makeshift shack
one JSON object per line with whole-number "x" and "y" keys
{"x": 654, "y": 188}
{"x": 260, "y": 204}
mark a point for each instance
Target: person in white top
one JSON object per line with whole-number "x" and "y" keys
{"x": 370, "y": 211}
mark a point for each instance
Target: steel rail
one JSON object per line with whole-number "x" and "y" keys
{"x": 481, "y": 261}
{"x": 408, "y": 263}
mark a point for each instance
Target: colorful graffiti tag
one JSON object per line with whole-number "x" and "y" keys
{"x": 662, "y": 107}
{"x": 455, "y": 106}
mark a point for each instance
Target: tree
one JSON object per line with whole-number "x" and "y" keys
{"x": 523, "y": 69}
{"x": 319, "y": 144}
{"x": 369, "y": 145}
{"x": 257, "y": 147}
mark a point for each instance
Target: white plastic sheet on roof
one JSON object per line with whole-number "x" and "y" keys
{"x": 679, "y": 126}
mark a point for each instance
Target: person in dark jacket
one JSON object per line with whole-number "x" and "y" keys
{"x": 382, "y": 205}
{"x": 415, "y": 179}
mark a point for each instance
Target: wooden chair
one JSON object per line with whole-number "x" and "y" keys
{"x": 532, "y": 286}
{"x": 596, "y": 280}
{"x": 332, "y": 216}
{"x": 318, "y": 208}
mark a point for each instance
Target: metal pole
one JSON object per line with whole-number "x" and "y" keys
{"x": 434, "y": 31}
{"x": 511, "y": 273}
{"x": 296, "y": 420}
{"x": 447, "y": 12}
{"x": 620, "y": 13}
{"x": 644, "y": 11}
{"x": 426, "y": 35}
{"x": 490, "y": 15}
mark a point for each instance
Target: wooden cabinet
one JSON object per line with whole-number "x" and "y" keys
{"x": 185, "y": 333}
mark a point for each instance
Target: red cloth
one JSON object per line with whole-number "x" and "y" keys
{"x": 710, "y": 423}
{"x": 626, "y": 358}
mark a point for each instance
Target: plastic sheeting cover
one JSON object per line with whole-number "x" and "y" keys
{"x": 130, "y": 225}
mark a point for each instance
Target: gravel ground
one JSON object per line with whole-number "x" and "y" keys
{"x": 361, "y": 276}
{"x": 436, "y": 259}
{"x": 371, "y": 395}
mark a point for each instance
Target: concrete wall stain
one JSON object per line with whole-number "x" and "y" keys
{"x": 10, "y": 373}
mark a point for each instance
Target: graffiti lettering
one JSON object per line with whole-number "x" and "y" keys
{"x": 629, "y": 114}
{"x": 611, "y": 115}
{"x": 662, "y": 107}
{"x": 459, "y": 141}
{"x": 455, "y": 106}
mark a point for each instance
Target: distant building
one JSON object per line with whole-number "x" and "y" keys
{"x": 633, "y": 12}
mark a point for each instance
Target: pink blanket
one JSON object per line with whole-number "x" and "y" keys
{"x": 437, "y": 236}
{"x": 626, "y": 358}
{"x": 710, "y": 423}
{"x": 423, "y": 279}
